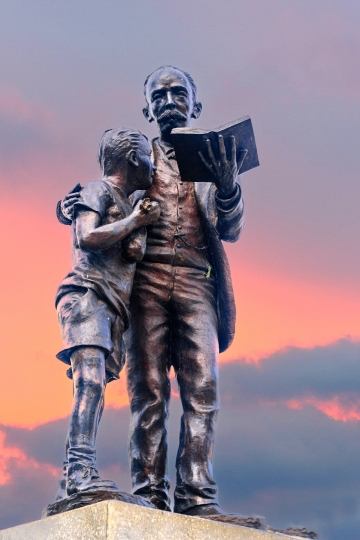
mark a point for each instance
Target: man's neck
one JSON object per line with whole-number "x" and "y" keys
{"x": 166, "y": 145}
{"x": 165, "y": 139}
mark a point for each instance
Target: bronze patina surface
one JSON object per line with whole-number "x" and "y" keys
{"x": 182, "y": 306}
{"x": 182, "y": 309}
{"x": 93, "y": 299}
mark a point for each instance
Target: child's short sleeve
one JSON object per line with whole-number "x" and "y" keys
{"x": 94, "y": 196}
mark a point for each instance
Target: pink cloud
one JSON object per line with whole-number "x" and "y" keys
{"x": 14, "y": 104}
{"x": 11, "y": 455}
{"x": 334, "y": 408}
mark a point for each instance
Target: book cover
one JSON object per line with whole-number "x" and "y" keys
{"x": 188, "y": 142}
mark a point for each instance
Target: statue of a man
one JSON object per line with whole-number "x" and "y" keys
{"x": 182, "y": 306}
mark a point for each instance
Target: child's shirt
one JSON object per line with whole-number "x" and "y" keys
{"x": 104, "y": 271}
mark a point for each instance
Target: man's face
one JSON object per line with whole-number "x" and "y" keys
{"x": 170, "y": 100}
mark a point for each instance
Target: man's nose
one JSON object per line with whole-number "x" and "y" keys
{"x": 169, "y": 100}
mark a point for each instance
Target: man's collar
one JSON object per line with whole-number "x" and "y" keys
{"x": 167, "y": 149}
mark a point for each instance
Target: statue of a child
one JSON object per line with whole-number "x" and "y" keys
{"x": 92, "y": 300}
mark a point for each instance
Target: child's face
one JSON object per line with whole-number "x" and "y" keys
{"x": 145, "y": 172}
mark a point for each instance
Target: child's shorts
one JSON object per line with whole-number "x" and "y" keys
{"x": 86, "y": 320}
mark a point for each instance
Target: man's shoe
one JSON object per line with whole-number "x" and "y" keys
{"x": 204, "y": 510}
{"x": 85, "y": 478}
{"x": 213, "y": 512}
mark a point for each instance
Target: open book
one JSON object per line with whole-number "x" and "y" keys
{"x": 188, "y": 142}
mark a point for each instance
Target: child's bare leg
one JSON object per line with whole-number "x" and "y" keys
{"x": 88, "y": 369}
{"x": 61, "y": 493}
{"x": 89, "y": 382}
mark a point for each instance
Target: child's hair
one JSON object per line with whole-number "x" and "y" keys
{"x": 114, "y": 145}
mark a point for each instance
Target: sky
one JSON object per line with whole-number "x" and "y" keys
{"x": 288, "y": 441}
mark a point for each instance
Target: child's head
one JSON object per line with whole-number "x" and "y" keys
{"x": 127, "y": 152}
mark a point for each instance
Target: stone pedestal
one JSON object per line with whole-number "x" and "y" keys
{"x": 113, "y": 520}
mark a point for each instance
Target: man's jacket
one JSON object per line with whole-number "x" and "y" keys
{"x": 223, "y": 221}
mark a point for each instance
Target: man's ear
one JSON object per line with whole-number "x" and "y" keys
{"x": 147, "y": 114}
{"x": 196, "y": 110}
{"x": 132, "y": 158}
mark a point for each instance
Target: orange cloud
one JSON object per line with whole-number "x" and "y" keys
{"x": 273, "y": 312}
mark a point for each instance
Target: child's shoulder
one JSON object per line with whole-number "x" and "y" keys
{"x": 95, "y": 195}
{"x": 95, "y": 185}
{"x": 96, "y": 188}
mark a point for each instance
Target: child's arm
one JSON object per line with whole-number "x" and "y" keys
{"x": 92, "y": 236}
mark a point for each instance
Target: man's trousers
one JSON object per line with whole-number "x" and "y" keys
{"x": 173, "y": 323}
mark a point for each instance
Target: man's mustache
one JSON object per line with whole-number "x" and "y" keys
{"x": 171, "y": 114}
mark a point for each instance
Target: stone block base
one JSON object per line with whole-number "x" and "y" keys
{"x": 113, "y": 520}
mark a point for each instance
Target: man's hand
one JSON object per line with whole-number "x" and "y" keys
{"x": 146, "y": 212}
{"x": 67, "y": 204}
{"x": 224, "y": 171}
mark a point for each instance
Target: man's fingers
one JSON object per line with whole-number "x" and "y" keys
{"x": 71, "y": 196}
{"x": 76, "y": 189}
{"x": 207, "y": 165}
{"x": 70, "y": 201}
{"x": 222, "y": 149}
{"x": 233, "y": 151}
{"x": 211, "y": 154}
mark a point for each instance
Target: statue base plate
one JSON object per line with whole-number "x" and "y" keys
{"x": 84, "y": 498}
{"x": 115, "y": 520}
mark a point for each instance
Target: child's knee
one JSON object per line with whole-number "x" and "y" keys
{"x": 89, "y": 386}
{"x": 88, "y": 368}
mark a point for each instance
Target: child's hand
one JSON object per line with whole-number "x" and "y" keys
{"x": 147, "y": 212}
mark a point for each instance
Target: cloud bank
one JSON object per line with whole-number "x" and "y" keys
{"x": 292, "y": 465}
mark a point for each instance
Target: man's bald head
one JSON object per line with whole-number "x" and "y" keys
{"x": 185, "y": 74}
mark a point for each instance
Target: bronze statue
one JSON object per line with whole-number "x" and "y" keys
{"x": 182, "y": 305}
{"x": 93, "y": 299}
{"x": 182, "y": 310}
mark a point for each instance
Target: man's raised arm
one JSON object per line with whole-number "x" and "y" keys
{"x": 65, "y": 207}
{"x": 228, "y": 197}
